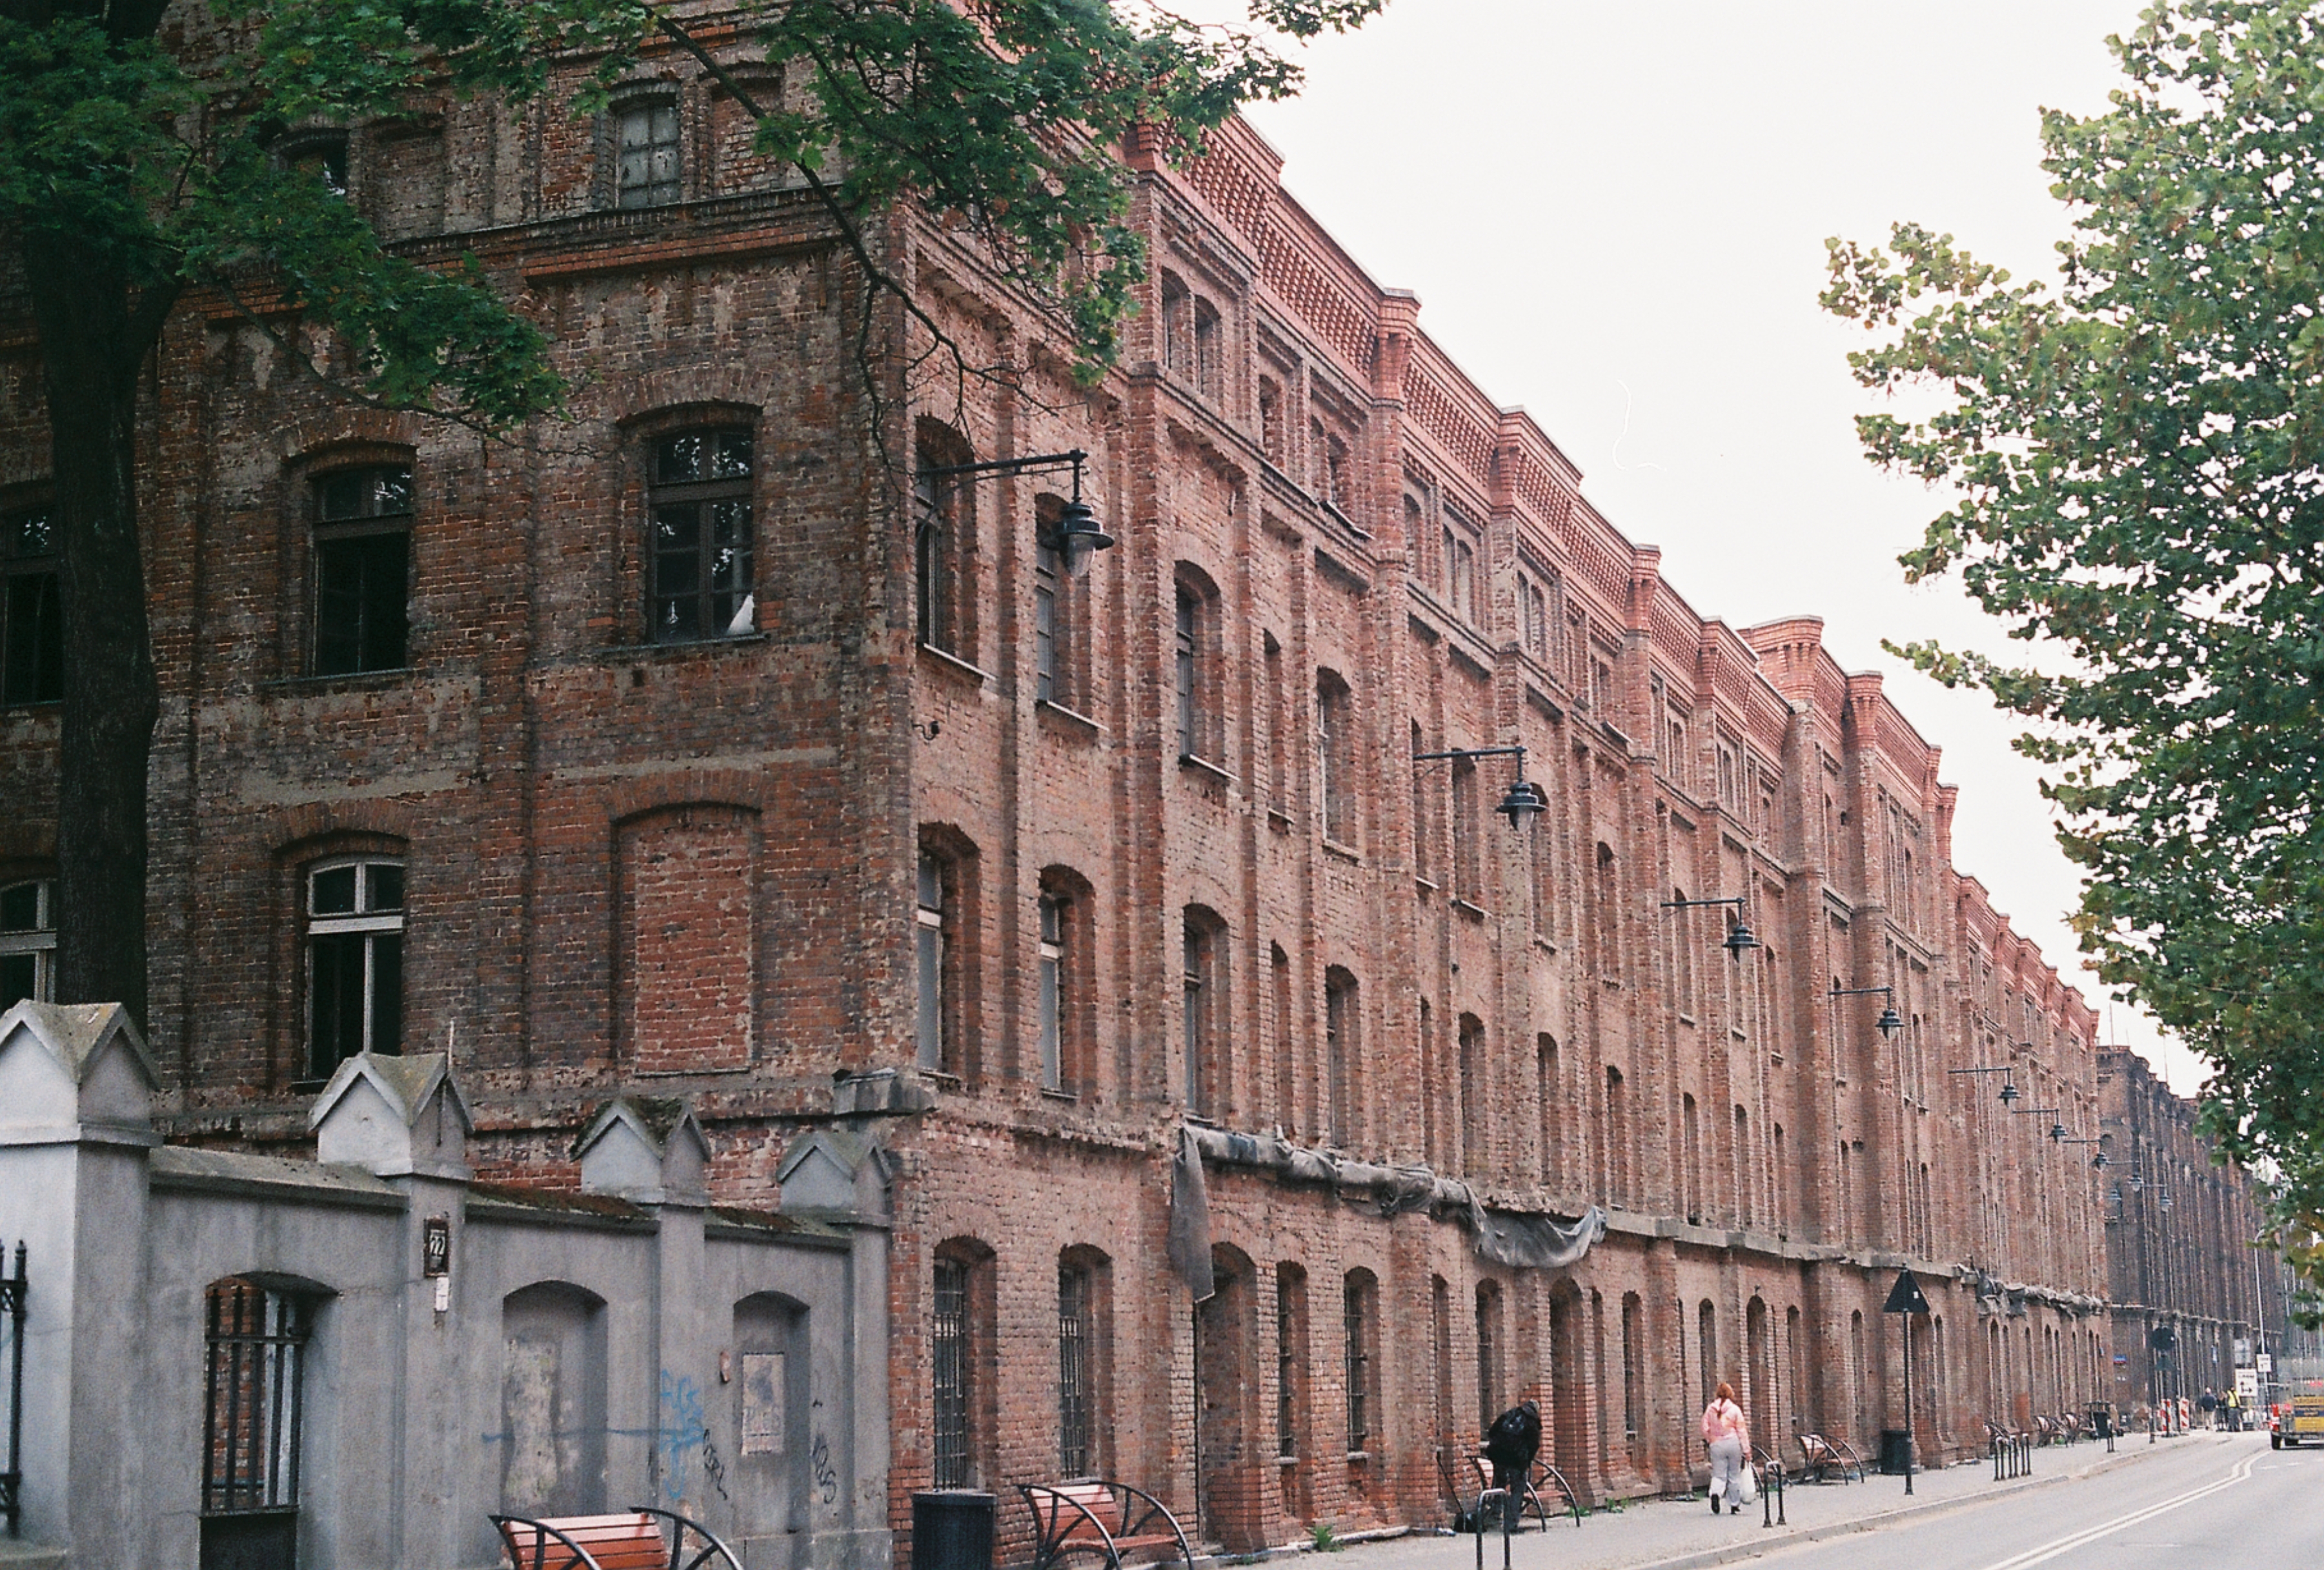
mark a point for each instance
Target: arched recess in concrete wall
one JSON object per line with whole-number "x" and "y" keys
{"x": 552, "y": 1401}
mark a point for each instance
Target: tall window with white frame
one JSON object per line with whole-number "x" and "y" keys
{"x": 32, "y": 613}
{"x": 646, "y": 173}
{"x": 1052, "y": 959}
{"x": 28, "y": 941}
{"x": 363, "y": 569}
{"x": 355, "y": 961}
{"x": 1189, "y": 662}
{"x": 931, "y": 924}
{"x": 701, "y": 552}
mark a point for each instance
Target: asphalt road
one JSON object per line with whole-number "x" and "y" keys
{"x": 2233, "y": 1501}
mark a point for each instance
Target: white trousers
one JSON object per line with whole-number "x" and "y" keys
{"x": 1726, "y": 1467}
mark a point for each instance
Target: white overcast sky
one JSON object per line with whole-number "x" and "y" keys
{"x": 1614, "y": 214}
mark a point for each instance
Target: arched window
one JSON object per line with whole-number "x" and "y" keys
{"x": 1634, "y": 1373}
{"x": 1491, "y": 1388}
{"x": 31, "y": 616}
{"x": 1359, "y": 1329}
{"x": 943, "y": 539}
{"x": 355, "y": 961}
{"x": 961, "y": 1352}
{"x": 1335, "y": 752}
{"x": 1202, "y": 730}
{"x": 1290, "y": 1360}
{"x": 943, "y": 889}
{"x": 1475, "y": 1096}
{"x": 700, "y": 563}
{"x": 28, "y": 941}
{"x": 363, "y": 569}
{"x": 1059, "y": 660}
{"x": 1207, "y": 1019}
{"x": 1468, "y": 869}
{"x": 1343, "y": 1054}
{"x": 1085, "y": 1316}
{"x": 1066, "y": 1001}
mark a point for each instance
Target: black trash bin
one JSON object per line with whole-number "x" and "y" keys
{"x": 2101, "y": 1420}
{"x": 1895, "y": 1450}
{"x": 951, "y": 1529}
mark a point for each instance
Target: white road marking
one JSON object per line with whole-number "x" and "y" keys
{"x": 2067, "y": 1544}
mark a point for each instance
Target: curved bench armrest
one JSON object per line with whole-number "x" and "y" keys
{"x": 541, "y": 1533}
{"x": 1048, "y": 1506}
{"x": 678, "y": 1526}
{"x": 1154, "y": 1508}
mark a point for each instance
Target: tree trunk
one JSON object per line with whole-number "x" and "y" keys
{"x": 93, "y": 341}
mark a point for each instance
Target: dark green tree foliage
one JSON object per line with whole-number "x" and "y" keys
{"x": 2135, "y": 454}
{"x": 129, "y": 175}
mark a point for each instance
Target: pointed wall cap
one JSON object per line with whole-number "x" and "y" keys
{"x": 650, "y": 1150}
{"x": 835, "y": 1173}
{"x": 395, "y": 1117}
{"x": 75, "y": 1073}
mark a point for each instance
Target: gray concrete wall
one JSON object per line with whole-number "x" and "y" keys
{"x": 594, "y": 1346}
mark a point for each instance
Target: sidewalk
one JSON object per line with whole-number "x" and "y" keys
{"x": 1683, "y": 1535}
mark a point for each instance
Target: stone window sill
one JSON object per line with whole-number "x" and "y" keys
{"x": 1066, "y": 721}
{"x": 954, "y": 665}
{"x": 1192, "y": 764}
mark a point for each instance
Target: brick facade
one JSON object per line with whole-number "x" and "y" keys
{"x": 692, "y": 868}
{"x": 2181, "y": 1236}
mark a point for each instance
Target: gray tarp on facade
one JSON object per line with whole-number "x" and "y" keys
{"x": 1528, "y": 1240}
{"x": 1189, "y": 1216}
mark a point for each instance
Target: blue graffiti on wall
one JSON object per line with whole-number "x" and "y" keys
{"x": 685, "y": 1430}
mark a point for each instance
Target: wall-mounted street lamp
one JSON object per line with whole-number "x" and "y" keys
{"x": 1889, "y": 1022}
{"x": 1739, "y": 939}
{"x": 1075, "y": 536}
{"x": 2057, "y": 1129}
{"x": 2098, "y": 1162}
{"x": 1524, "y": 801}
{"x": 2008, "y": 1086}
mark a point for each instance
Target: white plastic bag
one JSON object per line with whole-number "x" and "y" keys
{"x": 1743, "y": 1484}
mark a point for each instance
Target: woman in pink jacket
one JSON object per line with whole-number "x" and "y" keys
{"x": 1723, "y": 1429}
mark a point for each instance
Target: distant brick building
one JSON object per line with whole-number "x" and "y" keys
{"x": 704, "y": 748}
{"x": 2193, "y": 1293}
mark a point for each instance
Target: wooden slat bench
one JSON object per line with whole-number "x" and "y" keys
{"x": 628, "y": 1540}
{"x": 1094, "y": 1516}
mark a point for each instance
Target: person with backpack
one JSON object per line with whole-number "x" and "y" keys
{"x": 1510, "y": 1445}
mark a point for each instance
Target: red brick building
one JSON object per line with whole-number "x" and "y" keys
{"x": 703, "y": 747}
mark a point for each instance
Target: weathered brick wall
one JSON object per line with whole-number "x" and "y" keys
{"x": 688, "y": 869}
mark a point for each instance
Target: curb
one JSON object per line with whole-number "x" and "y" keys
{"x": 1734, "y": 1552}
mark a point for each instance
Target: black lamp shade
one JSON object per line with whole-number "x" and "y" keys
{"x": 1888, "y": 1024}
{"x": 1078, "y": 537}
{"x": 2008, "y": 1092}
{"x": 1524, "y": 801}
{"x": 1740, "y": 939}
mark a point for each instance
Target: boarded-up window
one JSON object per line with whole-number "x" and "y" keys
{"x": 406, "y": 180}
{"x": 688, "y": 883}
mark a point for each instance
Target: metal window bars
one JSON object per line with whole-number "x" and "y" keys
{"x": 13, "y": 1290}
{"x": 252, "y": 1407}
